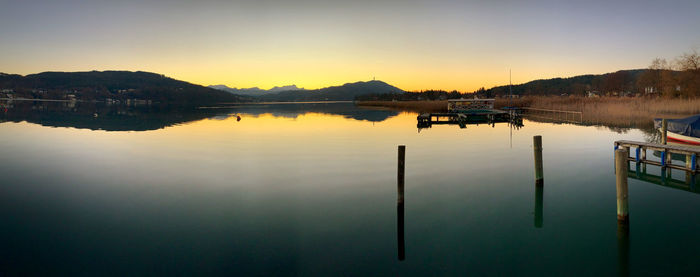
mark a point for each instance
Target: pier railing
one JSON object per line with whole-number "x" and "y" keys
{"x": 640, "y": 154}
{"x": 557, "y": 115}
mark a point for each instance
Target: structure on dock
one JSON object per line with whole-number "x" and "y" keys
{"x": 691, "y": 154}
{"x": 470, "y": 111}
{"x": 469, "y": 105}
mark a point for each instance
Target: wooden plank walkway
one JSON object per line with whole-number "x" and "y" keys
{"x": 691, "y": 154}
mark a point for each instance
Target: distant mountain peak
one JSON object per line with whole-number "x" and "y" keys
{"x": 345, "y": 92}
{"x": 284, "y": 88}
{"x": 255, "y": 91}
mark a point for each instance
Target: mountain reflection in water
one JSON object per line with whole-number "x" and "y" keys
{"x": 99, "y": 116}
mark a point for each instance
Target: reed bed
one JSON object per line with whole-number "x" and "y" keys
{"x": 416, "y": 106}
{"x": 620, "y": 111}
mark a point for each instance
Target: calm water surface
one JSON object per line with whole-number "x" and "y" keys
{"x": 310, "y": 189}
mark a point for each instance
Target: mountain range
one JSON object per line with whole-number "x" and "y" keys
{"x": 345, "y": 92}
{"x": 255, "y": 91}
{"x": 127, "y": 85}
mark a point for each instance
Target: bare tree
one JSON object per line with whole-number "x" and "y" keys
{"x": 689, "y": 61}
{"x": 689, "y": 78}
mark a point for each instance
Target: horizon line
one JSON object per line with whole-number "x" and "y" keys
{"x": 303, "y": 88}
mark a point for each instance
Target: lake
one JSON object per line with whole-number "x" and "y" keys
{"x": 311, "y": 190}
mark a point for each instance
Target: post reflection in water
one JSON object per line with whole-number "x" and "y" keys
{"x": 400, "y": 230}
{"x": 623, "y": 248}
{"x": 399, "y": 204}
{"x": 665, "y": 179}
{"x": 690, "y": 180}
{"x": 539, "y": 191}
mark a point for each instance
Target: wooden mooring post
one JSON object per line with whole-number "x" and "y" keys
{"x": 664, "y": 131}
{"x": 399, "y": 203}
{"x": 400, "y": 171}
{"x": 621, "y": 162}
{"x": 537, "y": 147}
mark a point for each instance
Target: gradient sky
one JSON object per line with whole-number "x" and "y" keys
{"x": 413, "y": 45}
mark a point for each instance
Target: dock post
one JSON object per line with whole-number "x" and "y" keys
{"x": 537, "y": 147}
{"x": 663, "y": 159}
{"x": 400, "y": 171}
{"x": 617, "y": 146}
{"x": 399, "y": 204}
{"x": 621, "y": 186}
{"x": 664, "y": 130}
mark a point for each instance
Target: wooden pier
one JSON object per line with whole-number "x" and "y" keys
{"x": 426, "y": 120}
{"x": 640, "y": 154}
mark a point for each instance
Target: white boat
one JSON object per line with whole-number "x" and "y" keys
{"x": 684, "y": 130}
{"x": 681, "y": 138}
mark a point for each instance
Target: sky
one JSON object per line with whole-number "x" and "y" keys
{"x": 414, "y": 45}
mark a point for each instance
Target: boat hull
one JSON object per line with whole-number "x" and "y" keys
{"x": 681, "y": 138}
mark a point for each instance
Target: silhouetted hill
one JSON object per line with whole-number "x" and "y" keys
{"x": 116, "y": 85}
{"x": 337, "y": 93}
{"x": 620, "y": 81}
{"x": 623, "y": 82}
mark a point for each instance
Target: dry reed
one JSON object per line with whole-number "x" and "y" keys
{"x": 620, "y": 111}
{"x": 417, "y": 106}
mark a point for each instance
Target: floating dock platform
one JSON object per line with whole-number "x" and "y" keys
{"x": 463, "y": 118}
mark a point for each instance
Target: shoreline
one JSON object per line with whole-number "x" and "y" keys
{"x": 599, "y": 110}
